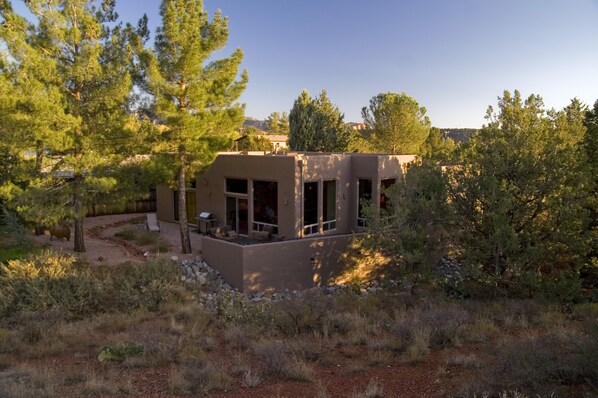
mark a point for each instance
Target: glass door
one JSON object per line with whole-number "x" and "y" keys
{"x": 237, "y": 214}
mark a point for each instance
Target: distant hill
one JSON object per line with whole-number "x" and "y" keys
{"x": 458, "y": 135}
{"x": 258, "y": 124}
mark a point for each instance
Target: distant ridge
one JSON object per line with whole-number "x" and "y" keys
{"x": 258, "y": 124}
{"x": 458, "y": 134}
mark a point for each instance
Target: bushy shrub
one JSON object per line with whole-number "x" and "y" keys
{"x": 54, "y": 281}
{"x": 280, "y": 360}
{"x": 237, "y": 309}
{"x": 544, "y": 364}
{"x": 47, "y": 281}
{"x": 303, "y": 313}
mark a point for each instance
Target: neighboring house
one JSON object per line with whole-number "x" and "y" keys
{"x": 310, "y": 202}
{"x": 278, "y": 141}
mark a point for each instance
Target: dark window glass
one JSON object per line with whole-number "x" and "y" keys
{"x": 235, "y": 185}
{"x": 265, "y": 202}
{"x": 329, "y": 201}
{"x": 310, "y": 203}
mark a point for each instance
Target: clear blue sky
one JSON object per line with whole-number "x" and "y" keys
{"x": 454, "y": 57}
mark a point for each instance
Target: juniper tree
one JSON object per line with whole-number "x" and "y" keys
{"x": 315, "y": 124}
{"x": 194, "y": 95}
{"x": 518, "y": 193}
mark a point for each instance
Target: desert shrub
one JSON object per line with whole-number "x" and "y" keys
{"x": 25, "y": 382}
{"x": 8, "y": 341}
{"x": 481, "y": 330}
{"x": 447, "y": 324}
{"x": 345, "y": 322}
{"x": 198, "y": 377}
{"x": 419, "y": 346}
{"x": 302, "y": 313}
{"x": 251, "y": 379}
{"x": 373, "y": 390}
{"x": 279, "y": 360}
{"x": 379, "y": 358}
{"x": 97, "y": 386}
{"x": 545, "y": 364}
{"x": 237, "y": 336}
{"x": 145, "y": 286}
{"x": 159, "y": 348}
{"x": 146, "y": 238}
{"x": 236, "y": 308}
{"x": 586, "y": 311}
{"x": 121, "y": 351}
{"x": 126, "y": 234}
{"x": 47, "y": 281}
{"x": 54, "y": 281}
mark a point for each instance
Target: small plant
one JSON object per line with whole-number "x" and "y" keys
{"x": 251, "y": 379}
{"x": 198, "y": 378}
{"x": 126, "y": 234}
{"x": 373, "y": 390}
{"x": 420, "y": 345}
{"x": 466, "y": 361}
{"x": 280, "y": 361}
{"x": 120, "y": 352}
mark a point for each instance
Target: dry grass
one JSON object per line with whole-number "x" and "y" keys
{"x": 247, "y": 345}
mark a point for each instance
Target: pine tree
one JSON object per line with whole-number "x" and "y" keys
{"x": 76, "y": 71}
{"x": 278, "y": 123}
{"x": 396, "y": 123}
{"x": 194, "y": 96}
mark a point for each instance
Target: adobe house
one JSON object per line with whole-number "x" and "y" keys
{"x": 309, "y": 202}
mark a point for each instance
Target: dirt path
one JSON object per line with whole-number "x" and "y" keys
{"x": 103, "y": 248}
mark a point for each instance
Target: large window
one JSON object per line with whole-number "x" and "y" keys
{"x": 311, "y": 223}
{"x": 364, "y": 198}
{"x": 329, "y": 205}
{"x": 265, "y": 205}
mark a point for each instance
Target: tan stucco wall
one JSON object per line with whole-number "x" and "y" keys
{"x": 346, "y": 169}
{"x": 226, "y": 258}
{"x": 211, "y": 185}
{"x": 164, "y": 203}
{"x": 295, "y": 264}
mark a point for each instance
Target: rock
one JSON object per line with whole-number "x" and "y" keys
{"x": 202, "y": 280}
{"x": 174, "y": 258}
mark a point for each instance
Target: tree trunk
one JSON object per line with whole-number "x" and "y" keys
{"x": 184, "y": 226}
{"x": 79, "y": 241}
{"x": 39, "y": 162}
{"x": 77, "y": 199}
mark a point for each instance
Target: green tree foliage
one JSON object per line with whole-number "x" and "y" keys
{"x": 590, "y": 146}
{"x": 518, "y": 193}
{"x": 315, "y": 124}
{"x": 71, "y": 77}
{"x": 397, "y": 124}
{"x": 278, "y": 123}
{"x": 194, "y": 94}
{"x": 409, "y": 232}
{"x": 438, "y": 148}
{"x": 253, "y": 140}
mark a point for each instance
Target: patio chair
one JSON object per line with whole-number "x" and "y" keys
{"x": 151, "y": 223}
